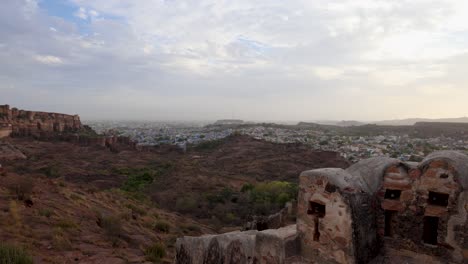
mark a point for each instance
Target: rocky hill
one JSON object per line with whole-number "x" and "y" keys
{"x": 209, "y": 171}
{"x": 66, "y": 203}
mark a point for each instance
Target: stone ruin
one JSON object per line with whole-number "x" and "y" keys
{"x": 377, "y": 210}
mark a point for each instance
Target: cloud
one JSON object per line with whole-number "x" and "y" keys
{"x": 325, "y": 59}
{"x": 82, "y": 13}
{"x": 47, "y": 59}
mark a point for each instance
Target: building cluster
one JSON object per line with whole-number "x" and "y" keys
{"x": 354, "y": 148}
{"x": 379, "y": 208}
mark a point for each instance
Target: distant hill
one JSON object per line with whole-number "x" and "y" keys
{"x": 229, "y": 122}
{"x": 412, "y": 121}
{"x": 343, "y": 123}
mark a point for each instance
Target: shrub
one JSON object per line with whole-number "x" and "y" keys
{"x": 276, "y": 192}
{"x": 51, "y": 171}
{"x": 14, "y": 255}
{"x": 45, "y": 212}
{"x": 193, "y": 228}
{"x": 162, "y": 226}
{"x": 61, "y": 241}
{"x": 13, "y": 208}
{"x": 155, "y": 252}
{"x": 139, "y": 178}
{"x": 74, "y": 196}
{"x": 186, "y": 205}
{"x": 208, "y": 145}
{"x": 137, "y": 182}
{"x": 22, "y": 187}
{"x": 66, "y": 223}
{"x": 247, "y": 187}
{"x": 136, "y": 209}
{"x": 112, "y": 226}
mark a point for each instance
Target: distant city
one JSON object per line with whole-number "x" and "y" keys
{"x": 352, "y": 145}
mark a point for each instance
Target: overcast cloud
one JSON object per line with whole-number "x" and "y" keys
{"x": 254, "y": 60}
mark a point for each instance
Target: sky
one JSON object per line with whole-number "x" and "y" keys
{"x": 254, "y": 60}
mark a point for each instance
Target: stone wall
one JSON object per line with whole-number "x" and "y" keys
{"x": 274, "y": 221}
{"x": 272, "y": 246}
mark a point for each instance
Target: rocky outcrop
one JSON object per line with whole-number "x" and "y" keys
{"x": 9, "y": 152}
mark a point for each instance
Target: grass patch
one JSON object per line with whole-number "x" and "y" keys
{"x": 162, "y": 226}
{"x": 155, "y": 253}
{"x": 10, "y": 254}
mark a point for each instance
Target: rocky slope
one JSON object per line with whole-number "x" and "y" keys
{"x": 68, "y": 203}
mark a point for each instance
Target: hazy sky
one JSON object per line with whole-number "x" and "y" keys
{"x": 255, "y": 60}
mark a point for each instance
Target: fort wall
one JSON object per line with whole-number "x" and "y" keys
{"x": 55, "y": 126}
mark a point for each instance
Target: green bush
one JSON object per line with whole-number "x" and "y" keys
{"x": 162, "y": 226}
{"x": 13, "y": 255}
{"x": 139, "y": 178}
{"x": 261, "y": 199}
{"x": 155, "y": 253}
{"x": 275, "y": 192}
